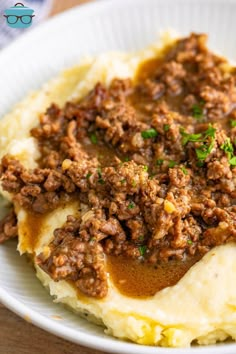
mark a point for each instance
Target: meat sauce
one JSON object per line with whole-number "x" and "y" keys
{"x": 132, "y": 277}
{"x": 152, "y": 164}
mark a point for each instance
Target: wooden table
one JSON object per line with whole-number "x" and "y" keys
{"x": 18, "y": 336}
{"x": 61, "y": 5}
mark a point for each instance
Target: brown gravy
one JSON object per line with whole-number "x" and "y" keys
{"x": 32, "y": 230}
{"x": 148, "y": 68}
{"x": 134, "y": 278}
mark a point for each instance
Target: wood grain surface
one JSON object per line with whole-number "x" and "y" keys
{"x": 19, "y": 337}
{"x": 61, "y": 5}
{"x": 16, "y": 335}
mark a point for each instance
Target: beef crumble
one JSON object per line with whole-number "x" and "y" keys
{"x": 151, "y": 161}
{"x": 8, "y": 227}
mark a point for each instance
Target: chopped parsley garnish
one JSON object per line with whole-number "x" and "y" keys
{"x": 172, "y": 164}
{"x": 197, "y": 137}
{"x": 93, "y": 138}
{"x": 126, "y": 159}
{"x": 232, "y": 161}
{"x": 145, "y": 168}
{"x": 123, "y": 181}
{"x": 233, "y": 123}
{"x": 149, "y": 133}
{"x": 142, "y": 250}
{"x": 190, "y": 242}
{"x": 210, "y": 131}
{"x": 166, "y": 127}
{"x": 204, "y": 150}
{"x": 141, "y": 238}
{"x": 159, "y": 162}
{"x": 200, "y": 163}
{"x": 228, "y": 148}
{"x": 197, "y": 110}
{"x": 184, "y": 170}
{"x": 134, "y": 184}
{"x": 131, "y": 205}
{"x": 100, "y": 179}
{"x": 190, "y": 137}
{"x": 88, "y": 175}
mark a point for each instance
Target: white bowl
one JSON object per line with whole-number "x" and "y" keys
{"x": 39, "y": 55}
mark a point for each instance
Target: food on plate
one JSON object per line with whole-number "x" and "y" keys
{"x": 122, "y": 177}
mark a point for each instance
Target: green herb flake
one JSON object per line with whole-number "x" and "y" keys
{"x": 233, "y": 123}
{"x": 159, "y": 162}
{"x": 149, "y": 133}
{"x": 92, "y": 239}
{"x": 200, "y": 163}
{"x": 210, "y": 131}
{"x": 204, "y": 150}
{"x": 131, "y": 205}
{"x": 88, "y": 175}
{"x": 190, "y": 242}
{"x": 166, "y": 127}
{"x": 172, "y": 164}
{"x": 184, "y": 170}
{"x": 141, "y": 238}
{"x": 126, "y": 159}
{"x": 100, "y": 179}
{"x": 190, "y": 137}
{"x": 123, "y": 181}
{"x": 232, "y": 161}
{"x": 228, "y": 148}
{"x": 145, "y": 168}
{"x": 142, "y": 250}
{"x": 197, "y": 110}
{"x": 93, "y": 138}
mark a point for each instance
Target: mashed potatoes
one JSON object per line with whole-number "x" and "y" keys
{"x": 200, "y": 307}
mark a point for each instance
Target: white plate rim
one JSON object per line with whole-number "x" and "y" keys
{"x": 102, "y": 344}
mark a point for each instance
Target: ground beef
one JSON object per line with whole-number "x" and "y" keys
{"x": 8, "y": 227}
{"x": 78, "y": 257}
{"x": 152, "y": 164}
